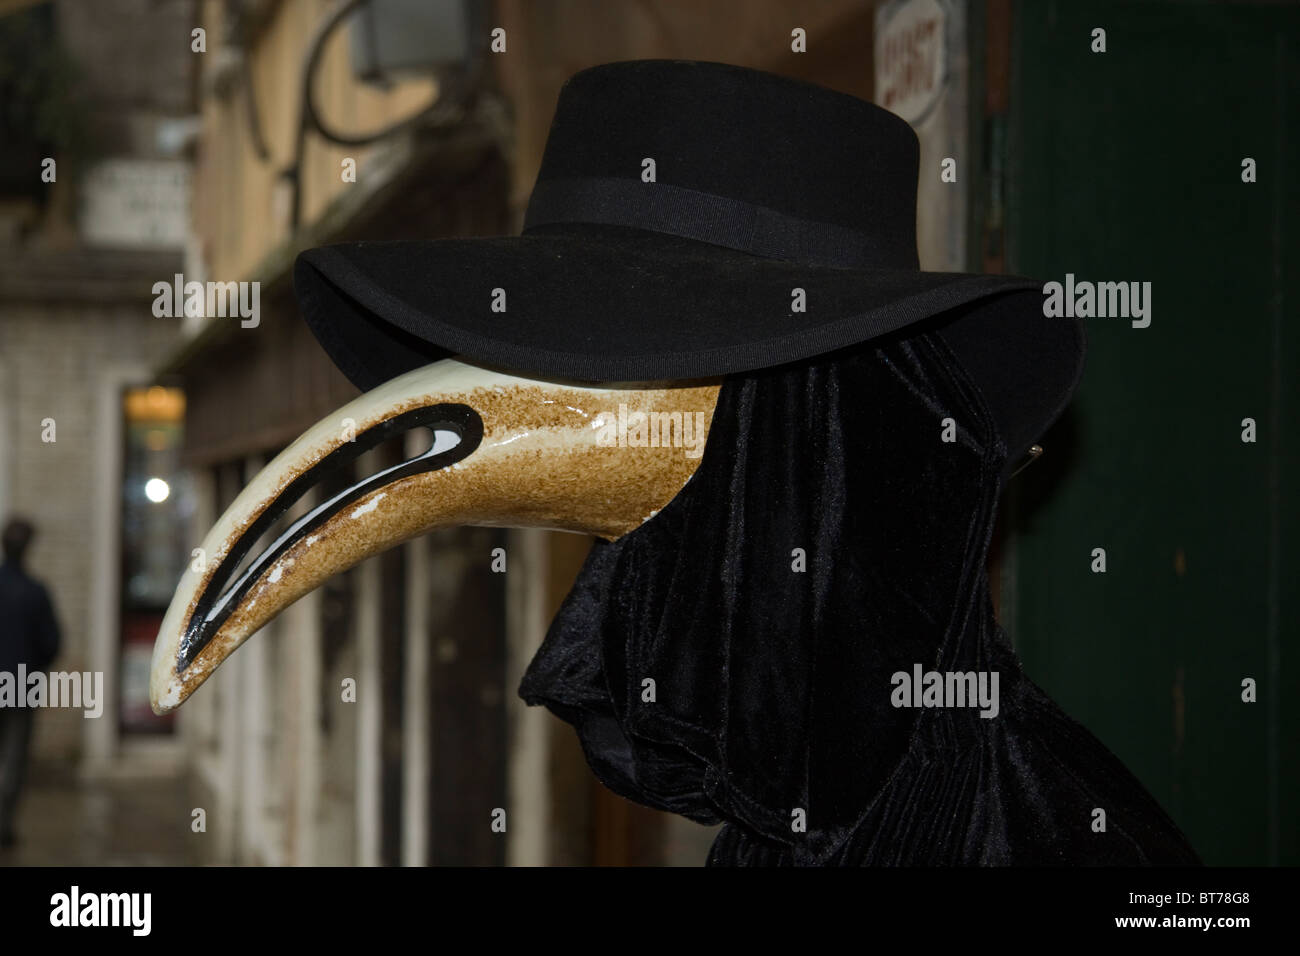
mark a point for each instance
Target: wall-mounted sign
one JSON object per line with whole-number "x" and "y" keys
{"x": 136, "y": 203}
{"x": 911, "y": 57}
{"x": 921, "y": 74}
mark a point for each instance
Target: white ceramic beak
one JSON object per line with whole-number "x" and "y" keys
{"x": 506, "y": 451}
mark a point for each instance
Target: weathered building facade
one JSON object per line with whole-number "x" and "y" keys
{"x": 94, "y": 186}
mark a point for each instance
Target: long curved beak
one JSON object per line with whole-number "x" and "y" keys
{"x": 505, "y": 451}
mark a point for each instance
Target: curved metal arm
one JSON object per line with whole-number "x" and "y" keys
{"x": 449, "y": 108}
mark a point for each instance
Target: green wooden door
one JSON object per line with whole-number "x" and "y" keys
{"x": 1127, "y": 166}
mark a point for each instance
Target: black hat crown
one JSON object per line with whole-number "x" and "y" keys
{"x": 741, "y": 158}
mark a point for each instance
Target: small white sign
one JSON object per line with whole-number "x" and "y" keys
{"x": 911, "y": 57}
{"x": 136, "y": 203}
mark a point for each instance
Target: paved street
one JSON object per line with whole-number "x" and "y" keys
{"x": 63, "y": 821}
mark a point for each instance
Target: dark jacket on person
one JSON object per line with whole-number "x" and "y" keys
{"x": 29, "y": 633}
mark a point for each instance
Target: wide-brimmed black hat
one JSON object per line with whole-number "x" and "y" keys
{"x": 679, "y": 210}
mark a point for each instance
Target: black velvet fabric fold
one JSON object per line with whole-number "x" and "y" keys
{"x": 773, "y": 695}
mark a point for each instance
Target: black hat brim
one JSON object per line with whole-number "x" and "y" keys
{"x": 606, "y": 305}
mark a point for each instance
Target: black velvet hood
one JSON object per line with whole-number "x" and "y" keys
{"x": 773, "y": 686}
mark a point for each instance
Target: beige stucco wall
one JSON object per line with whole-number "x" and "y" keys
{"x": 240, "y": 202}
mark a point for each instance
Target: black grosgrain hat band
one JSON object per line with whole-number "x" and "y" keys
{"x": 714, "y": 219}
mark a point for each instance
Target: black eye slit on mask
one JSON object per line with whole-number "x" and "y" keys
{"x": 222, "y": 595}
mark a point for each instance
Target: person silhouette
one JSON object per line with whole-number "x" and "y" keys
{"x": 29, "y": 637}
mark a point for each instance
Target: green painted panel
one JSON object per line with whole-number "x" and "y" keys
{"x": 1126, "y": 166}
